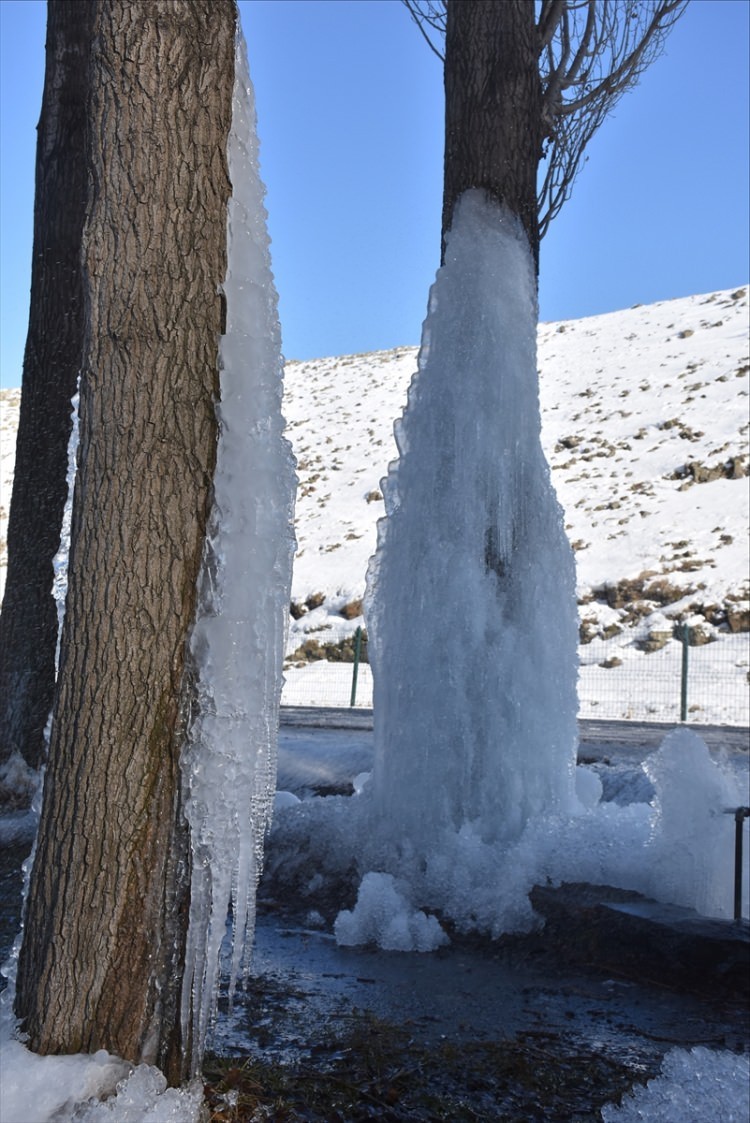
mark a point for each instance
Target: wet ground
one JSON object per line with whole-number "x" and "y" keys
{"x": 499, "y": 1031}
{"x": 476, "y": 1031}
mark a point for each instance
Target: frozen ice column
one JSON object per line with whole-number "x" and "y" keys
{"x": 471, "y": 594}
{"x": 238, "y": 640}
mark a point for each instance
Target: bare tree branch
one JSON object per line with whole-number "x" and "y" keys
{"x": 427, "y": 14}
{"x": 591, "y": 52}
{"x": 549, "y": 17}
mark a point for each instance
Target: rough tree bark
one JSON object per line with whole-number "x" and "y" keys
{"x": 28, "y": 624}
{"x": 493, "y": 107}
{"x": 103, "y": 947}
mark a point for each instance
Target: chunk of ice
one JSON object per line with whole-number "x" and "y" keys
{"x": 694, "y": 1086}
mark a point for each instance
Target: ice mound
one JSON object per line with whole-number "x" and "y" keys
{"x": 38, "y": 1089}
{"x": 143, "y": 1097}
{"x": 677, "y": 848}
{"x": 383, "y": 915}
{"x": 689, "y": 858}
{"x": 695, "y": 1086}
{"x": 473, "y": 567}
{"x": 89, "y": 1088}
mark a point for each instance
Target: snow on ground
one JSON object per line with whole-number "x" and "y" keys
{"x": 645, "y": 425}
{"x": 642, "y": 688}
{"x": 628, "y": 399}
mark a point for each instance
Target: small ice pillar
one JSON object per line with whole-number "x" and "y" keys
{"x": 471, "y": 595}
{"x": 237, "y": 644}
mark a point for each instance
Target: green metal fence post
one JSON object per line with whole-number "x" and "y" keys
{"x": 357, "y": 649}
{"x": 684, "y": 675}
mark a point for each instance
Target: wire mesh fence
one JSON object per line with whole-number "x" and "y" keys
{"x": 679, "y": 682}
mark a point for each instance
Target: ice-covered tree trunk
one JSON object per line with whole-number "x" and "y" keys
{"x": 106, "y": 922}
{"x": 28, "y": 624}
{"x": 472, "y": 609}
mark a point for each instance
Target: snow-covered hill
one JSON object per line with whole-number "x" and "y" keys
{"x": 645, "y": 425}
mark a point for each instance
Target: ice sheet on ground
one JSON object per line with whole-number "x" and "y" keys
{"x": 325, "y": 758}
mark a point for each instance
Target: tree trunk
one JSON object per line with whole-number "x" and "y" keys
{"x": 103, "y": 948}
{"x": 28, "y": 625}
{"x": 493, "y": 107}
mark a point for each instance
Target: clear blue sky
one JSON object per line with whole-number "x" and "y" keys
{"x": 350, "y": 120}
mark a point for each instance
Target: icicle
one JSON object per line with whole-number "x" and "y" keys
{"x": 60, "y": 562}
{"x": 238, "y": 641}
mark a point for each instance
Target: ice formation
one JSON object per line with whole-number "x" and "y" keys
{"x": 471, "y": 595}
{"x": 384, "y": 916}
{"x": 238, "y": 640}
{"x": 52, "y": 1083}
{"x": 60, "y": 562}
{"x": 651, "y": 847}
{"x": 45, "y": 1089}
{"x": 694, "y": 1086}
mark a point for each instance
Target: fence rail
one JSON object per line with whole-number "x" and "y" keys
{"x": 679, "y": 682}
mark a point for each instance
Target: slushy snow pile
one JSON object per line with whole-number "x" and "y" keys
{"x": 695, "y": 1086}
